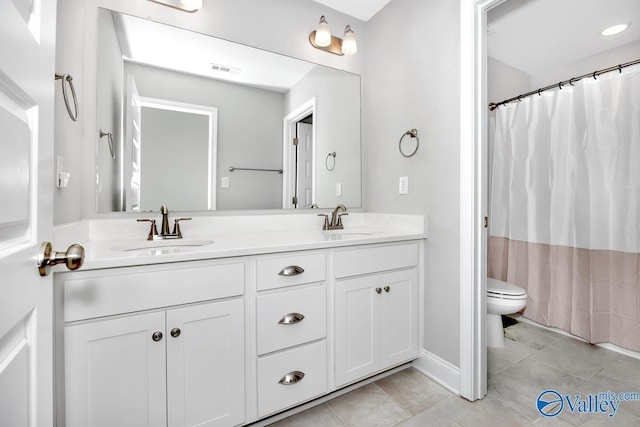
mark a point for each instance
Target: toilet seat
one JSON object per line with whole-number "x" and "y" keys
{"x": 504, "y": 290}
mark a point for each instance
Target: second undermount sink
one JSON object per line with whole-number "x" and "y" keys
{"x": 159, "y": 247}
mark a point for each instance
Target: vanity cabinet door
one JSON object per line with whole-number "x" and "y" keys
{"x": 400, "y": 317}
{"x": 376, "y": 323}
{"x": 357, "y": 329}
{"x": 205, "y": 364}
{"x": 115, "y": 372}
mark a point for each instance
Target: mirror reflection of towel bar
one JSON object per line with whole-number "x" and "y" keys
{"x": 233, "y": 168}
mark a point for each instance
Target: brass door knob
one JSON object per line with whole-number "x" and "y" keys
{"x": 72, "y": 258}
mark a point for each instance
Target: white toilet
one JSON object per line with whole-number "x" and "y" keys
{"x": 502, "y": 298}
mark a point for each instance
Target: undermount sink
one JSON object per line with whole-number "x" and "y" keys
{"x": 344, "y": 234}
{"x": 159, "y": 247}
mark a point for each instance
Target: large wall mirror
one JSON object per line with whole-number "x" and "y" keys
{"x": 199, "y": 123}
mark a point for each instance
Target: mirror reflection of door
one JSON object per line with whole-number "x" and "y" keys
{"x": 304, "y": 162}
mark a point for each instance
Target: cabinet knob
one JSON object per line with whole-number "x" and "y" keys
{"x": 387, "y": 289}
{"x": 175, "y": 332}
{"x": 291, "y": 318}
{"x": 291, "y": 270}
{"x": 157, "y": 336}
{"x": 291, "y": 378}
{"x": 378, "y": 290}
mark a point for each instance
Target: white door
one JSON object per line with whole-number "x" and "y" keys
{"x": 132, "y": 146}
{"x": 27, "y": 57}
{"x": 305, "y": 165}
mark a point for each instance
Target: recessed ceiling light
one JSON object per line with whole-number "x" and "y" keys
{"x": 614, "y": 29}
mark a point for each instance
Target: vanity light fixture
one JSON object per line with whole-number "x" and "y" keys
{"x": 186, "y": 5}
{"x": 322, "y": 39}
{"x": 614, "y": 29}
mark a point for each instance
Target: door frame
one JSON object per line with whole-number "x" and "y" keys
{"x": 473, "y": 196}
{"x": 289, "y": 153}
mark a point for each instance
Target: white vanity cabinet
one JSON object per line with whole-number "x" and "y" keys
{"x": 291, "y": 330}
{"x": 375, "y": 309}
{"x": 133, "y": 357}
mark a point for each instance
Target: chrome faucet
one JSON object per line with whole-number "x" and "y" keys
{"x": 164, "y": 228}
{"x": 336, "y": 218}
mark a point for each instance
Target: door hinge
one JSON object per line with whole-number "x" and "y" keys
{"x": 486, "y": 222}
{"x": 295, "y": 141}
{"x": 294, "y": 200}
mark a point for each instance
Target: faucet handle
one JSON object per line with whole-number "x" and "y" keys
{"x": 176, "y": 227}
{"x": 326, "y": 221}
{"x": 339, "y": 222}
{"x": 153, "y": 231}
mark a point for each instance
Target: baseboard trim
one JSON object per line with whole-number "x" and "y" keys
{"x": 439, "y": 370}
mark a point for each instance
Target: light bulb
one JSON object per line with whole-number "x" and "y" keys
{"x": 349, "y": 45}
{"x": 323, "y": 33}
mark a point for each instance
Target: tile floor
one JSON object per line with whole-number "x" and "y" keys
{"x": 533, "y": 359}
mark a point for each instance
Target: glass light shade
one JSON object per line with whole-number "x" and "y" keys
{"x": 323, "y": 33}
{"x": 349, "y": 45}
{"x": 191, "y": 4}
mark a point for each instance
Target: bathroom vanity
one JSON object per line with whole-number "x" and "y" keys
{"x": 237, "y": 327}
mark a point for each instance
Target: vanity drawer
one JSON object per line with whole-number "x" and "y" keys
{"x": 106, "y": 294}
{"x": 289, "y": 270}
{"x": 311, "y": 360}
{"x": 353, "y": 262}
{"x": 276, "y": 332}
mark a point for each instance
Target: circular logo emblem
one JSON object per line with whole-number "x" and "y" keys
{"x": 550, "y": 403}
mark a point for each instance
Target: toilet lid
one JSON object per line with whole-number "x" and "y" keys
{"x": 498, "y": 287}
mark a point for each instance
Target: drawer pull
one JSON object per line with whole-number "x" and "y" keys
{"x": 378, "y": 290}
{"x": 291, "y": 378}
{"x": 291, "y": 270}
{"x": 291, "y": 319}
{"x": 387, "y": 289}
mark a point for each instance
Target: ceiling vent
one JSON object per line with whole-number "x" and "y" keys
{"x": 225, "y": 69}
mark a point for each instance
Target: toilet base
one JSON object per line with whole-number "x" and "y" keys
{"x": 495, "y": 331}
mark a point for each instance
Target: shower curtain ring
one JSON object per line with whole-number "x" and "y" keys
{"x": 539, "y": 92}
{"x": 620, "y": 68}
{"x": 571, "y": 81}
{"x": 519, "y": 98}
{"x": 595, "y": 75}
{"x": 560, "y": 85}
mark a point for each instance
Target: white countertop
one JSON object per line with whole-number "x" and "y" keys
{"x": 108, "y": 243}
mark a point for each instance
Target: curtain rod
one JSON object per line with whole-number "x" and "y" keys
{"x": 595, "y": 74}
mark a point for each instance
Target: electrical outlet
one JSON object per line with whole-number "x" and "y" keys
{"x": 403, "y": 185}
{"x": 224, "y": 182}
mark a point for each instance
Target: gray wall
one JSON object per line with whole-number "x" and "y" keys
{"x": 110, "y": 87}
{"x": 174, "y": 160}
{"x": 337, "y": 121}
{"x": 412, "y": 81}
{"x": 249, "y": 131}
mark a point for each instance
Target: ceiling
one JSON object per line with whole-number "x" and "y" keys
{"x": 533, "y": 35}
{"x": 164, "y": 46}
{"x": 361, "y": 9}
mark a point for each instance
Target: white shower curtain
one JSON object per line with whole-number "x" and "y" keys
{"x": 565, "y": 206}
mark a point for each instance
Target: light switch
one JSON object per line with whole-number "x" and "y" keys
{"x": 403, "y": 185}
{"x": 338, "y": 189}
{"x": 62, "y": 177}
{"x": 224, "y": 182}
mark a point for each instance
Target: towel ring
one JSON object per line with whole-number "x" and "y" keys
{"x": 326, "y": 161}
{"x": 67, "y": 78}
{"x": 413, "y": 133}
{"x": 109, "y": 136}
